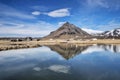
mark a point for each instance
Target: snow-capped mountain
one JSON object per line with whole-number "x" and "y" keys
{"x": 113, "y": 33}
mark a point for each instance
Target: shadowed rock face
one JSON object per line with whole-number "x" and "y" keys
{"x": 67, "y": 31}
{"x": 68, "y": 51}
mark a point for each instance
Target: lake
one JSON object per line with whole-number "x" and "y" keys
{"x": 61, "y": 62}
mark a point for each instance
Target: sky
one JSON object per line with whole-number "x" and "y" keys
{"x": 37, "y": 18}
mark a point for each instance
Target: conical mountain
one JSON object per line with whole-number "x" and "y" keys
{"x": 67, "y": 31}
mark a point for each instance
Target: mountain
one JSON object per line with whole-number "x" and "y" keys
{"x": 111, "y": 34}
{"x": 67, "y": 31}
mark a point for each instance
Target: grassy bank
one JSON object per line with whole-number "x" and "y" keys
{"x": 8, "y": 45}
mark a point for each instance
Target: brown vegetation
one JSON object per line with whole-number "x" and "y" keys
{"x": 8, "y": 45}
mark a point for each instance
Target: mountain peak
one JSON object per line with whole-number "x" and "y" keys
{"x": 67, "y": 22}
{"x": 68, "y": 25}
{"x": 68, "y": 31}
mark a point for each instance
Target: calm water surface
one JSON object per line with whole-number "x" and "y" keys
{"x": 61, "y": 62}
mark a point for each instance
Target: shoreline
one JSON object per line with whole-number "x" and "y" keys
{"x": 8, "y": 45}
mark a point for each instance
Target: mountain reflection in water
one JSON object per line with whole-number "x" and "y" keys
{"x": 69, "y": 50}
{"x": 62, "y": 62}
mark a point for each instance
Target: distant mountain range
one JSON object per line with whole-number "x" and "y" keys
{"x": 111, "y": 34}
{"x": 70, "y": 31}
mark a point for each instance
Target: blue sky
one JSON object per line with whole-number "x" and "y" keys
{"x": 38, "y": 18}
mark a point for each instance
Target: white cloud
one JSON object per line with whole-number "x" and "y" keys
{"x": 56, "y": 13}
{"x": 36, "y": 13}
{"x": 37, "y": 29}
{"x": 59, "y": 68}
{"x": 59, "y": 13}
{"x": 91, "y": 31}
{"x": 8, "y": 11}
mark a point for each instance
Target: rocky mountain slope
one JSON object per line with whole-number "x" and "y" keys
{"x": 68, "y": 31}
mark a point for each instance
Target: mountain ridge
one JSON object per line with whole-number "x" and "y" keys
{"x": 115, "y": 33}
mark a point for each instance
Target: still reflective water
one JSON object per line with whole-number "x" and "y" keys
{"x": 61, "y": 62}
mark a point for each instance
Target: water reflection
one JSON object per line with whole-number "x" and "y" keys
{"x": 69, "y": 50}
{"x": 86, "y": 62}
{"x": 112, "y": 48}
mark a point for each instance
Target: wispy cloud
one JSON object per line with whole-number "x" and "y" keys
{"x": 8, "y": 11}
{"x": 91, "y": 31}
{"x": 90, "y": 25}
{"x": 38, "y": 29}
{"x": 96, "y": 3}
{"x": 36, "y": 13}
{"x": 40, "y": 8}
{"x": 111, "y": 5}
{"x": 59, "y": 13}
{"x": 55, "y": 13}
{"x": 109, "y": 26}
